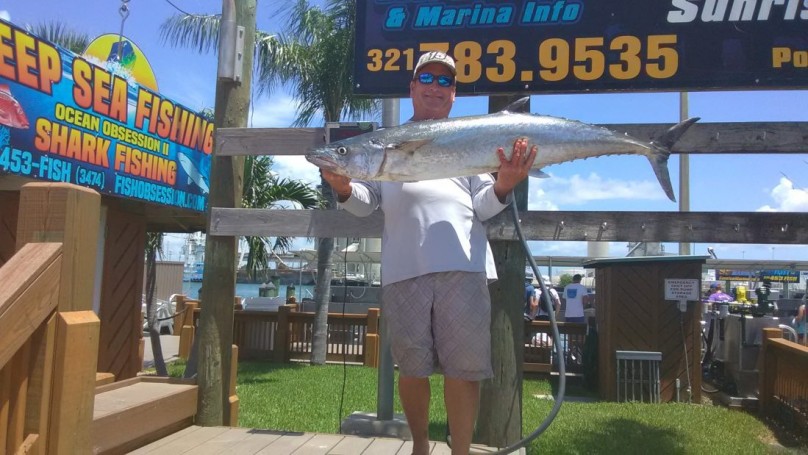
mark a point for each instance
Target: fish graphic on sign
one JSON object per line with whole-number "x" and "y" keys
{"x": 193, "y": 173}
{"x": 11, "y": 112}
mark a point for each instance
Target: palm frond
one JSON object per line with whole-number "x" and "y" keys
{"x": 194, "y": 31}
{"x": 59, "y": 33}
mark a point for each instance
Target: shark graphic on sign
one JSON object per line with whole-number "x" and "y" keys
{"x": 193, "y": 173}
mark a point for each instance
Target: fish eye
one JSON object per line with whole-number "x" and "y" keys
{"x": 342, "y": 151}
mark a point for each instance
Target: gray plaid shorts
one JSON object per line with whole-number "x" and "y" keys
{"x": 440, "y": 322}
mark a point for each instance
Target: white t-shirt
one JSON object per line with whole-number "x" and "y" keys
{"x": 574, "y": 294}
{"x": 553, "y": 298}
{"x": 432, "y": 225}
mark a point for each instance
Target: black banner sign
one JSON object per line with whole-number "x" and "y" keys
{"x": 556, "y": 46}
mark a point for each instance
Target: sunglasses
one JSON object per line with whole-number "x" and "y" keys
{"x": 428, "y": 78}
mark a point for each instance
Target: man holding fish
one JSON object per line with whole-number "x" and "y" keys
{"x": 436, "y": 263}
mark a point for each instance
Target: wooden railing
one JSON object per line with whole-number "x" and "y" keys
{"x": 38, "y": 344}
{"x": 540, "y": 351}
{"x": 287, "y": 335}
{"x": 783, "y": 394}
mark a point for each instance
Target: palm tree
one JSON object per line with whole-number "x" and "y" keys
{"x": 154, "y": 247}
{"x": 315, "y": 57}
{"x": 59, "y": 33}
{"x": 263, "y": 189}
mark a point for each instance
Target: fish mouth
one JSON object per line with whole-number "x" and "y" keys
{"x": 322, "y": 162}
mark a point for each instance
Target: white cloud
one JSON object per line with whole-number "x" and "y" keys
{"x": 276, "y": 111}
{"x": 787, "y": 198}
{"x": 279, "y": 111}
{"x": 5, "y": 16}
{"x": 577, "y": 190}
{"x": 296, "y": 168}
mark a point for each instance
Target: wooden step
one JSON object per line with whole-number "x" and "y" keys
{"x": 134, "y": 412}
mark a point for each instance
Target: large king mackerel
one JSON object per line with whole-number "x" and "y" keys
{"x": 463, "y": 146}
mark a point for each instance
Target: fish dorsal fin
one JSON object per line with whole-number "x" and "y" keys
{"x": 409, "y": 146}
{"x": 519, "y": 105}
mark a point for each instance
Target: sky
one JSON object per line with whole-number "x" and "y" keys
{"x": 719, "y": 183}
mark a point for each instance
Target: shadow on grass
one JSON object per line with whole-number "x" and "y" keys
{"x": 575, "y": 387}
{"x": 787, "y": 435}
{"x": 626, "y": 436}
{"x": 254, "y": 372}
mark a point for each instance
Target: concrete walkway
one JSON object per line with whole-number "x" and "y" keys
{"x": 169, "y": 344}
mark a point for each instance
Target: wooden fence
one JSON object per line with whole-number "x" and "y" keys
{"x": 540, "y": 350}
{"x": 783, "y": 394}
{"x": 286, "y": 335}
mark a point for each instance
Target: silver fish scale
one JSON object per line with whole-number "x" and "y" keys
{"x": 463, "y": 146}
{"x": 467, "y": 145}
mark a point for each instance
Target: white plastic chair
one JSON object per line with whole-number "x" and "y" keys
{"x": 788, "y": 332}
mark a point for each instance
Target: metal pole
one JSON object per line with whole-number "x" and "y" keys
{"x": 384, "y": 404}
{"x": 684, "y": 173}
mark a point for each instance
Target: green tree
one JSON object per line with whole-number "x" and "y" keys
{"x": 263, "y": 189}
{"x": 564, "y": 280}
{"x": 314, "y": 57}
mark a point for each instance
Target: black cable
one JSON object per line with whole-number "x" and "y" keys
{"x": 172, "y": 316}
{"x": 345, "y": 336}
{"x": 179, "y": 9}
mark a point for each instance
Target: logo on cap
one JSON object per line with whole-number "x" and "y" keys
{"x": 436, "y": 57}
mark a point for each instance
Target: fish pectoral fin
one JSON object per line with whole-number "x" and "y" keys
{"x": 538, "y": 173}
{"x": 409, "y": 146}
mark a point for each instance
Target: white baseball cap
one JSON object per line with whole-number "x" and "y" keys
{"x": 436, "y": 57}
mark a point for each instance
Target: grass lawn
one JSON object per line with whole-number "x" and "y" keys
{"x": 299, "y": 397}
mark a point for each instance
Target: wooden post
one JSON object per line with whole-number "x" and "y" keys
{"x": 187, "y": 331}
{"x": 232, "y": 410}
{"x": 17, "y": 398}
{"x": 280, "y": 350}
{"x": 768, "y": 370}
{"x": 179, "y": 316}
{"x": 500, "y": 415}
{"x": 77, "y": 334}
{"x": 219, "y": 279}
{"x": 61, "y": 212}
{"x": 371, "y": 348}
{"x": 37, "y": 418}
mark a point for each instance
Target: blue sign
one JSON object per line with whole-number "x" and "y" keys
{"x": 556, "y": 46}
{"x": 65, "y": 118}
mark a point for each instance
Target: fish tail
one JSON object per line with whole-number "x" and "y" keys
{"x": 662, "y": 151}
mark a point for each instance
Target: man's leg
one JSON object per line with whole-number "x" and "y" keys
{"x": 461, "y": 398}
{"x": 414, "y": 393}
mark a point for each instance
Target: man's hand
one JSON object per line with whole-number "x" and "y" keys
{"x": 514, "y": 170}
{"x": 339, "y": 183}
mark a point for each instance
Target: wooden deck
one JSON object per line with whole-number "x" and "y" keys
{"x": 237, "y": 441}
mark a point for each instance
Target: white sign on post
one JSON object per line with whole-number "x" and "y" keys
{"x": 681, "y": 289}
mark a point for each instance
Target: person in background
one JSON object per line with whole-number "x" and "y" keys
{"x": 531, "y": 301}
{"x": 436, "y": 263}
{"x": 574, "y": 296}
{"x": 799, "y": 320}
{"x": 717, "y": 294}
{"x": 543, "y": 315}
